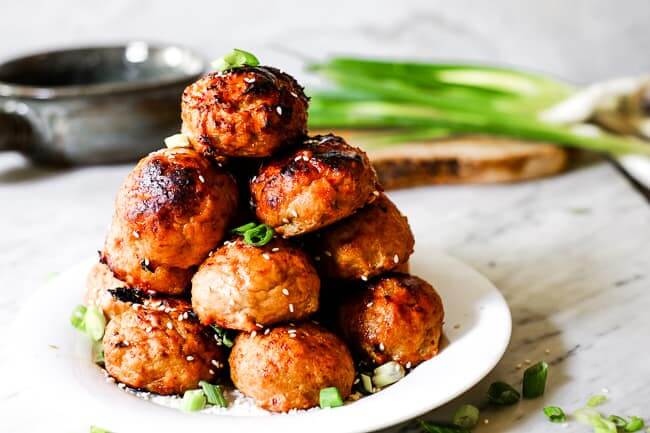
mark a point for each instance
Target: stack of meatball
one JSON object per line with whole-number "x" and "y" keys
{"x": 323, "y": 295}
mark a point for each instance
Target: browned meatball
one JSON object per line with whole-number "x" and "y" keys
{"x": 162, "y": 348}
{"x": 244, "y": 287}
{"x": 170, "y": 212}
{"x": 99, "y": 285}
{"x": 287, "y": 367}
{"x": 248, "y": 111}
{"x": 374, "y": 240}
{"x": 324, "y": 181}
{"x": 397, "y": 317}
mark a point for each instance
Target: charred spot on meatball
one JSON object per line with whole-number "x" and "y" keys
{"x": 161, "y": 348}
{"x": 323, "y": 181}
{"x": 286, "y": 367}
{"x": 244, "y": 287}
{"x": 169, "y": 213}
{"x": 252, "y": 111}
{"x": 395, "y": 317}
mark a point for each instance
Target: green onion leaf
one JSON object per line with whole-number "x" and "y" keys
{"x": 502, "y": 394}
{"x": 258, "y": 236}
{"x": 214, "y": 393}
{"x": 431, "y": 427}
{"x": 243, "y": 229}
{"x": 77, "y": 318}
{"x": 555, "y": 414}
{"x": 635, "y": 424}
{"x": 593, "y": 418}
{"x": 330, "y": 397}
{"x": 619, "y": 421}
{"x": 387, "y": 374}
{"x": 535, "y": 380}
{"x": 596, "y": 400}
{"x": 95, "y": 429}
{"x": 235, "y": 59}
{"x": 224, "y": 335}
{"x": 95, "y": 322}
{"x": 466, "y": 416}
{"x": 193, "y": 400}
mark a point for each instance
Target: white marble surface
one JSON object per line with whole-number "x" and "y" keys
{"x": 570, "y": 254}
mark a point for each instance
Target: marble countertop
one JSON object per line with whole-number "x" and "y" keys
{"x": 570, "y": 254}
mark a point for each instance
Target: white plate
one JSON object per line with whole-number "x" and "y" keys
{"x": 477, "y": 325}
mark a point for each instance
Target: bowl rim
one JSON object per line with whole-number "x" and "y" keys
{"x": 196, "y": 65}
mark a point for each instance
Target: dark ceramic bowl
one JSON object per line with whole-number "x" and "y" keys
{"x": 94, "y": 105}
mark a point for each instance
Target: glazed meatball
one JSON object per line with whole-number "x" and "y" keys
{"x": 324, "y": 181}
{"x": 170, "y": 212}
{"x": 161, "y": 347}
{"x": 244, "y": 287}
{"x": 374, "y": 240}
{"x": 248, "y": 111}
{"x": 107, "y": 292}
{"x": 287, "y": 367}
{"x": 397, "y": 317}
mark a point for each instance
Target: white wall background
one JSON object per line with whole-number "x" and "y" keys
{"x": 580, "y": 40}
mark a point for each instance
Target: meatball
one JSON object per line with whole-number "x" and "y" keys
{"x": 246, "y": 112}
{"x": 103, "y": 289}
{"x": 172, "y": 209}
{"x": 287, "y": 367}
{"x": 374, "y": 240}
{"x": 323, "y": 182}
{"x": 397, "y": 317}
{"x": 162, "y": 348}
{"x": 244, "y": 287}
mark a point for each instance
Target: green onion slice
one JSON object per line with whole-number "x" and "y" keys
{"x": 193, "y": 400}
{"x": 224, "y": 336}
{"x": 258, "y": 236}
{"x": 243, "y": 229}
{"x": 535, "y": 380}
{"x": 593, "y": 418}
{"x": 366, "y": 381}
{"x": 95, "y": 322}
{"x": 95, "y": 429}
{"x": 502, "y": 394}
{"x": 77, "y": 318}
{"x": 98, "y": 353}
{"x": 387, "y": 374}
{"x": 235, "y": 59}
{"x": 635, "y": 424}
{"x": 555, "y": 414}
{"x": 466, "y": 416}
{"x": 596, "y": 400}
{"x": 619, "y": 421}
{"x": 214, "y": 393}
{"x": 330, "y": 397}
{"x": 431, "y": 427}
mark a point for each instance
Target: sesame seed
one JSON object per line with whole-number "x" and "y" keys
{"x": 126, "y": 343}
{"x": 396, "y": 258}
{"x": 169, "y": 325}
{"x": 375, "y": 193}
{"x": 518, "y": 366}
{"x": 364, "y": 278}
{"x": 215, "y": 363}
{"x": 285, "y": 220}
{"x": 211, "y": 371}
{"x": 294, "y": 94}
{"x": 180, "y": 317}
{"x": 249, "y": 80}
{"x": 408, "y": 365}
{"x": 291, "y": 307}
{"x": 285, "y": 291}
{"x": 486, "y": 421}
{"x": 328, "y": 254}
{"x": 266, "y": 332}
{"x": 275, "y": 249}
{"x": 292, "y": 335}
{"x": 293, "y": 213}
{"x": 547, "y": 351}
{"x": 356, "y": 380}
{"x": 259, "y": 325}
{"x": 202, "y": 179}
{"x": 254, "y": 334}
{"x": 527, "y": 361}
{"x": 266, "y": 256}
{"x": 381, "y": 347}
{"x": 121, "y": 385}
{"x": 189, "y": 358}
{"x": 279, "y": 110}
{"x": 149, "y": 328}
{"x": 186, "y": 315}
{"x": 136, "y": 234}
{"x": 291, "y": 331}
{"x": 369, "y": 304}
{"x": 253, "y": 179}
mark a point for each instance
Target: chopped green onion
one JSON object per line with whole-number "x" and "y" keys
{"x": 98, "y": 353}
{"x": 235, "y": 59}
{"x": 224, "y": 337}
{"x": 502, "y": 394}
{"x": 593, "y": 418}
{"x": 619, "y": 421}
{"x": 77, "y": 318}
{"x": 430, "y": 427}
{"x": 243, "y": 229}
{"x": 258, "y": 236}
{"x": 596, "y": 400}
{"x": 193, "y": 400}
{"x": 95, "y": 322}
{"x": 555, "y": 414}
{"x": 95, "y": 429}
{"x": 535, "y": 380}
{"x": 387, "y": 374}
{"x": 330, "y": 397}
{"x": 366, "y": 381}
{"x": 635, "y": 424}
{"x": 466, "y": 416}
{"x": 214, "y": 393}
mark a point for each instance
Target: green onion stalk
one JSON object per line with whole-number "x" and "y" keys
{"x": 419, "y": 101}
